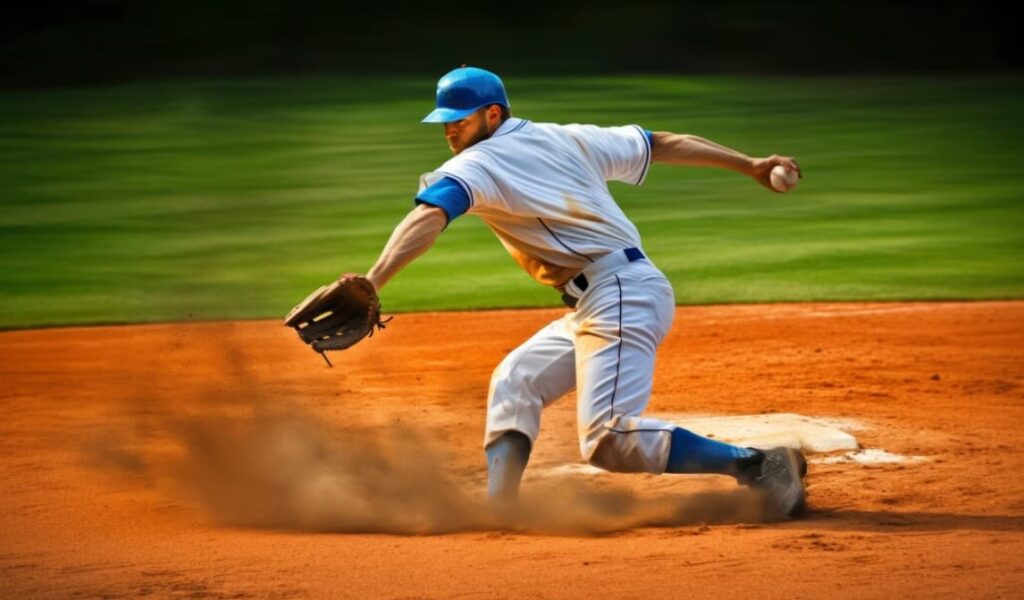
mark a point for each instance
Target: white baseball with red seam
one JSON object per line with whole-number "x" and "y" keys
{"x": 784, "y": 179}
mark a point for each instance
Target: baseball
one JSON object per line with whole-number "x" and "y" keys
{"x": 783, "y": 179}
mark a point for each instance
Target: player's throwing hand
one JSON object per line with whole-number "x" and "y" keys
{"x": 762, "y": 169}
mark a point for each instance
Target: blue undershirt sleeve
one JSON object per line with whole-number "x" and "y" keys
{"x": 650, "y": 137}
{"x": 446, "y": 194}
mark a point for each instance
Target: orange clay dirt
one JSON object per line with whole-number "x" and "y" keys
{"x": 226, "y": 460}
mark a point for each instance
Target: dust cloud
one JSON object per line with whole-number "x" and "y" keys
{"x": 251, "y": 459}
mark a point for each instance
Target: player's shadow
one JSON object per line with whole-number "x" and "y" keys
{"x": 575, "y": 508}
{"x": 864, "y": 520}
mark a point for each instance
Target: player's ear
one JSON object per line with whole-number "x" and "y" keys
{"x": 494, "y": 115}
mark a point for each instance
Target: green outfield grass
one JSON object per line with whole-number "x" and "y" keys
{"x": 233, "y": 199}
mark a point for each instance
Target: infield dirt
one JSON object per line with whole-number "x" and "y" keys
{"x": 226, "y": 460}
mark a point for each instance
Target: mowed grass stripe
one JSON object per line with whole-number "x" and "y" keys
{"x": 233, "y": 199}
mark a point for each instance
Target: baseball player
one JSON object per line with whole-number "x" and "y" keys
{"x": 542, "y": 188}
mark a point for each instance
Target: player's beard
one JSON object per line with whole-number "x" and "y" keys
{"x": 482, "y": 134}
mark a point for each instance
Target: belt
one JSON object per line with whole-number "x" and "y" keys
{"x": 602, "y": 267}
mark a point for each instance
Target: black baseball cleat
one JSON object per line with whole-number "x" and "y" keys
{"x": 779, "y": 479}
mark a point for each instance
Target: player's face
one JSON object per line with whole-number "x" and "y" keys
{"x": 464, "y": 133}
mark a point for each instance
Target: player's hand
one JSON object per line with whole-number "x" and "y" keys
{"x": 762, "y": 169}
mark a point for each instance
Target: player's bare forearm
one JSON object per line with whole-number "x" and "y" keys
{"x": 695, "y": 151}
{"x": 412, "y": 237}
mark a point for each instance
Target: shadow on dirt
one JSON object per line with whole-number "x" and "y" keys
{"x": 861, "y": 520}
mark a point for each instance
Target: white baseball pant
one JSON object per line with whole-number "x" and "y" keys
{"x": 605, "y": 349}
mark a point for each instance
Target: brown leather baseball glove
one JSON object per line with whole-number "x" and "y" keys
{"x": 337, "y": 315}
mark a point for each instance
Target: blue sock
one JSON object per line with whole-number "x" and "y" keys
{"x": 506, "y": 460}
{"x": 691, "y": 453}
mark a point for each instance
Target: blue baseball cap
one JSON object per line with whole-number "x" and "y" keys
{"x": 463, "y": 91}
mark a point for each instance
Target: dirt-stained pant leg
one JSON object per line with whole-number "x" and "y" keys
{"x": 618, "y": 326}
{"x": 541, "y": 370}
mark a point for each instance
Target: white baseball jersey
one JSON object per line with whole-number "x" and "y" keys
{"x": 542, "y": 188}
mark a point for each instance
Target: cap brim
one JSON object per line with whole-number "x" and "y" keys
{"x": 446, "y": 115}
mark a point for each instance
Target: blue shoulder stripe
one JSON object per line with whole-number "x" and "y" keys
{"x": 648, "y": 145}
{"x": 447, "y": 194}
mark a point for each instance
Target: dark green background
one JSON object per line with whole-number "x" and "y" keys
{"x": 54, "y": 43}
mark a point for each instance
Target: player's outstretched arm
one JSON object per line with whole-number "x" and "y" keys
{"x": 695, "y": 151}
{"x": 412, "y": 237}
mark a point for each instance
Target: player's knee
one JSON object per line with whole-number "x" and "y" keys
{"x": 616, "y": 452}
{"x": 505, "y": 371}
{"x": 604, "y": 457}
{"x": 512, "y": 381}
{"x": 600, "y": 449}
